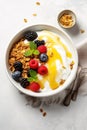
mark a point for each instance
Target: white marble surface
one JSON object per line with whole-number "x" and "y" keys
{"x": 14, "y": 113}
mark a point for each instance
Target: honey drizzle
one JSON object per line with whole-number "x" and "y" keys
{"x": 53, "y": 56}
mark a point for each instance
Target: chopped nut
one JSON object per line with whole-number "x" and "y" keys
{"x": 62, "y": 81}
{"x": 12, "y": 60}
{"x": 66, "y": 20}
{"x": 82, "y": 31}
{"x": 34, "y": 14}
{"x": 41, "y": 110}
{"x": 37, "y": 3}
{"x": 25, "y": 20}
{"x": 63, "y": 67}
{"x": 44, "y": 114}
{"x": 71, "y": 65}
{"x": 51, "y": 54}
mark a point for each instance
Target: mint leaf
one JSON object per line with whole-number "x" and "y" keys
{"x": 31, "y": 79}
{"x": 36, "y": 52}
{"x": 28, "y": 53}
{"x": 33, "y": 45}
{"x": 33, "y": 73}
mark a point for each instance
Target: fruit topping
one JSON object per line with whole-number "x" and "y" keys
{"x": 31, "y": 72}
{"x": 32, "y": 51}
{"x": 43, "y": 57}
{"x": 42, "y": 70}
{"x": 30, "y": 35}
{"x": 42, "y": 49}
{"x": 35, "y": 53}
{"x": 39, "y": 43}
{"x": 34, "y": 86}
{"x": 18, "y": 65}
{"x": 16, "y": 75}
{"x": 24, "y": 82}
{"x": 33, "y": 64}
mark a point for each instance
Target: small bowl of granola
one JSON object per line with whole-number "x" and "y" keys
{"x": 41, "y": 61}
{"x": 66, "y": 19}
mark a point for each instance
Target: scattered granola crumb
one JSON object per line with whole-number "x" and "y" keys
{"x": 25, "y": 20}
{"x": 63, "y": 67}
{"x": 44, "y": 114}
{"x": 41, "y": 110}
{"x": 37, "y": 3}
{"x": 71, "y": 65}
{"x": 82, "y": 31}
{"x": 62, "y": 81}
{"x": 34, "y": 14}
{"x": 51, "y": 54}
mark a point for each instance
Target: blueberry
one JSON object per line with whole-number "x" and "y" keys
{"x": 16, "y": 75}
{"x": 24, "y": 82}
{"x": 38, "y": 42}
{"x": 18, "y": 66}
{"x": 43, "y": 57}
{"x": 30, "y": 35}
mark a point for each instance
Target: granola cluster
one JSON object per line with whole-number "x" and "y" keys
{"x": 66, "y": 20}
{"x": 17, "y": 54}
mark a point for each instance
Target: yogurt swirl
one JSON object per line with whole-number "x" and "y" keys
{"x": 58, "y": 64}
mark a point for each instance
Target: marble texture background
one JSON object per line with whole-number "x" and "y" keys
{"x": 14, "y": 113}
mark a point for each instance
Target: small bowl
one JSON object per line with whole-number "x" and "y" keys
{"x": 65, "y": 38}
{"x": 66, "y": 19}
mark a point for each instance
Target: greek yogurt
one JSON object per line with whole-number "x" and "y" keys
{"x": 59, "y": 62}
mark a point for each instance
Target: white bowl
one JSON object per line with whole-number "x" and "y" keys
{"x": 65, "y": 38}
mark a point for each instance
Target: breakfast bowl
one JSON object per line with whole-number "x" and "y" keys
{"x": 41, "y": 61}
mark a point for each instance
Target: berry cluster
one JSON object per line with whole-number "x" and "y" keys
{"x": 17, "y": 74}
{"x": 42, "y": 69}
{"x": 37, "y": 48}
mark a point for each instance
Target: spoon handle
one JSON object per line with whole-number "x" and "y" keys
{"x": 73, "y": 91}
{"x": 67, "y": 99}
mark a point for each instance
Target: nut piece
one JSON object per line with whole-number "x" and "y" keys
{"x": 71, "y": 65}
{"x": 62, "y": 81}
{"x": 82, "y": 31}
{"x": 66, "y": 20}
{"x": 25, "y": 20}
{"x": 37, "y": 3}
{"x": 34, "y": 14}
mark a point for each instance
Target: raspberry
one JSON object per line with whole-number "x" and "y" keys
{"x": 42, "y": 49}
{"x": 34, "y": 86}
{"x": 33, "y": 64}
{"x": 42, "y": 70}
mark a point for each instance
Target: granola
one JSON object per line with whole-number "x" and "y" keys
{"x": 17, "y": 54}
